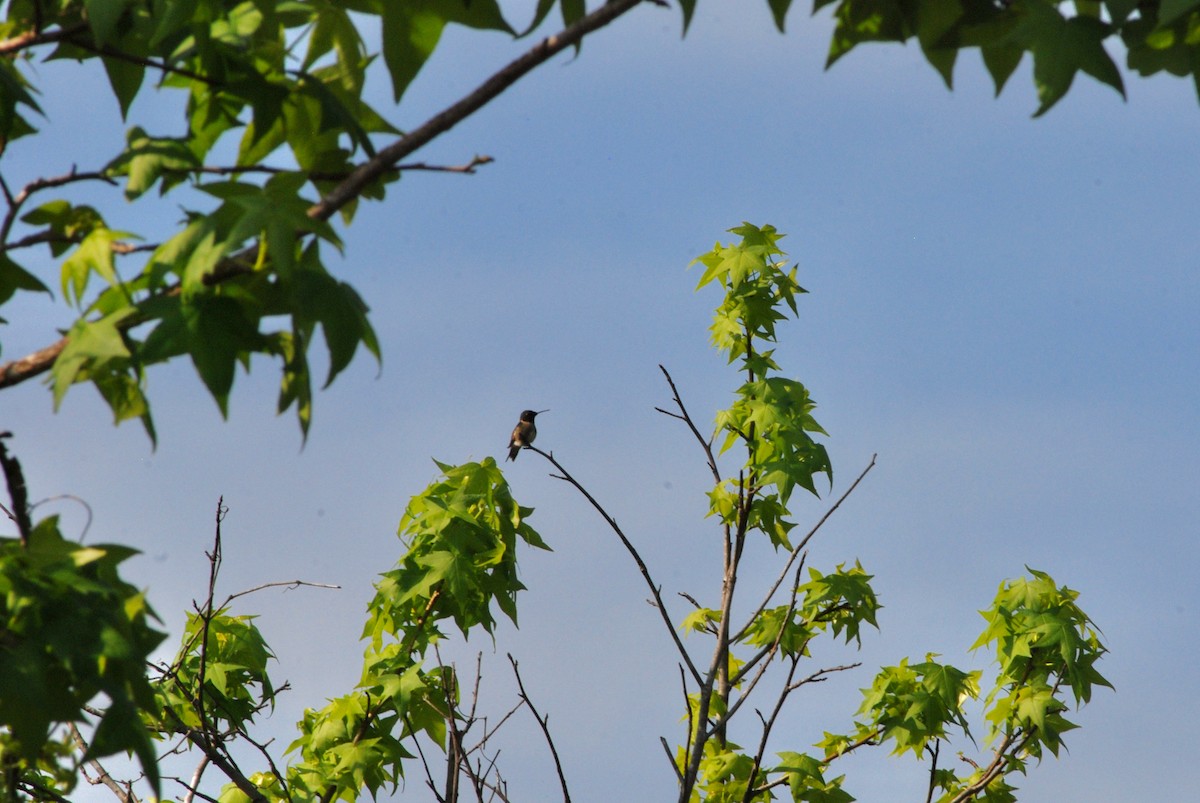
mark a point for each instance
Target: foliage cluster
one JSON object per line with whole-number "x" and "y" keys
{"x": 277, "y": 138}
{"x": 1043, "y": 643}
{"x": 459, "y": 570}
{"x": 277, "y": 141}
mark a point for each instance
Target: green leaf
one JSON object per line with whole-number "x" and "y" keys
{"x": 1171, "y": 10}
{"x": 103, "y": 16}
{"x": 219, "y": 333}
{"x": 90, "y": 345}
{"x": 145, "y": 159}
{"x": 126, "y": 79}
{"x": 412, "y": 28}
{"x": 1001, "y": 61}
{"x": 94, "y": 255}
{"x": 779, "y": 10}
{"x": 687, "y": 8}
{"x": 13, "y": 278}
{"x": 936, "y": 18}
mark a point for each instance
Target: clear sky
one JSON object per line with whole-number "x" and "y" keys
{"x": 1004, "y": 309}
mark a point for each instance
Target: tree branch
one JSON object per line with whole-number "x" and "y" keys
{"x": 637, "y": 558}
{"x": 35, "y": 38}
{"x": 543, "y": 723}
{"x": 102, "y": 776}
{"x": 387, "y": 157}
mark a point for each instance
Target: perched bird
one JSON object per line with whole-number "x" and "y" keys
{"x": 524, "y": 433}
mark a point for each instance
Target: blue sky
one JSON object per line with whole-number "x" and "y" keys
{"x": 1004, "y": 309}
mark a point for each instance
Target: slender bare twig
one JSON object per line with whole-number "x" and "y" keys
{"x": 767, "y": 654}
{"x": 72, "y": 497}
{"x": 655, "y": 590}
{"x": 543, "y": 723}
{"x": 289, "y": 585}
{"x": 670, "y": 758}
{"x": 937, "y": 746}
{"x": 262, "y": 748}
{"x": 142, "y": 61}
{"x": 323, "y": 175}
{"x": 16, "y": 201}
{"x": 683, "y": 416}
{"x": 102, "y": 776}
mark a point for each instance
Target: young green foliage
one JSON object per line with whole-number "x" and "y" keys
{"x": 72, "y": 629}
{"x": 771, "y": 419}
{"x": 1043, "y": 642}
{"x": 460, "y": 562}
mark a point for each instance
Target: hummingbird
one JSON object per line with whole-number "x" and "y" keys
{"x": 523, "y": 433}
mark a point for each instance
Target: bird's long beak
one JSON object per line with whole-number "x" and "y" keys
{"x": 539, "y": 412}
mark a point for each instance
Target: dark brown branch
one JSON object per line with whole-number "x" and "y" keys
{"x": 687, "y": 419}
{"x": 16, "y": 371}
{"x": 543, "y": 723}
{"x": 142, "y": 61}
{"x": 16, "y": 201}
{"x": 565, "y": 476}
{"x": 489, "y": 90}
{"x": 937, "y": 747}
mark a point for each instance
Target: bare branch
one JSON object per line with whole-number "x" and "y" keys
{"x": 937, "y": 746}
{"x": 670, "y": 758}
{"x": 289, "y": 585}
{"x": 73, "y": 498}
{"x": 543, "y": 723}
{"x": 16, "y": 371}
{"x": 194, "y": 784}
{"x": 102, "y": 776}
{"x": 565, "y": 476}
{"x": 385, "y": 160}
{"x": 387, "y": 157}
{"x": 687, "y": 419}
{"x": 323, "y": 175}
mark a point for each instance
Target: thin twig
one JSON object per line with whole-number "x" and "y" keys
{"x": 34, "y": 38}
{"x": 286, "y": 584}
{"x": 670, "y": 758}
{"x": 73, "y": 498}
{"x": 937, "y": 745}
{"x": 543, "y": 723}
{"x": 565, "y": 476}
{"x": 101, "y": 774}
{"x": 687, "y": 419}
{"x": 194, "y": 784}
